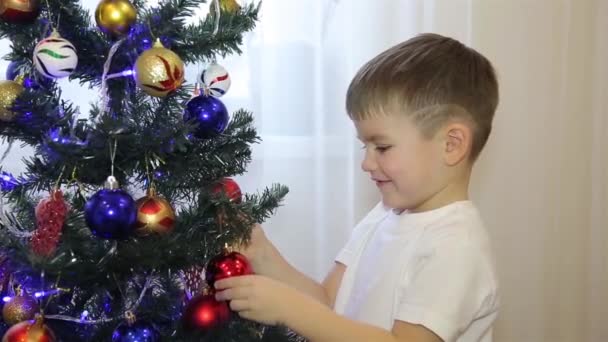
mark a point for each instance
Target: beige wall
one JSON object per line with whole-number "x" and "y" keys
{"x": 541, "y": 183}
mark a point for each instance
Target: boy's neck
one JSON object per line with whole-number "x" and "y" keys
{"x": 452, "y": 192}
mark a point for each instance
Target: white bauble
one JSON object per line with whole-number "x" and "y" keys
{"x": 216, "y": 80}
{"x": 55, "y": 57}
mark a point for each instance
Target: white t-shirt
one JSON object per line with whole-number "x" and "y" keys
{"x": 433, "y": 268}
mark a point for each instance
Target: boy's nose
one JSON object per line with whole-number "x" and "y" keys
{"x": 368, "y": 164}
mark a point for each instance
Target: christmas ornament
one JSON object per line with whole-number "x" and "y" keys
{"x": 229, "y": 188}
{"x": 154, "y": 215}
{"x": 227, "y": 265}
{"x": 216, "y": 80}
{"x": 111, "y": 213}
{"x": 50, "y": 216}
{"x": 204, "y": 313}
{"x": 7, "y": 181}
{"x": 159, "y": 71}
{"x": 29, "y": 331}
{"x": 230, "y": 6}
{"x": 17, "y": 72}
{"x": 9, "y": 91}
{"x": 209, "y": 114}
{"x": 115, "y": 16}
{"x": 19, "y": 11}
{"x": 12, "y": 71}
{"x": 55, "y": 57}
{"x": 20, "y": 308}
{"x": 194, "y": 277}
{"x": 140, "y": 331}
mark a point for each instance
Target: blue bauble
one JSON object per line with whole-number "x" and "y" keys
{"x": 29, "y": 82}
{"x": 209, "y": 114}
{"x": 12, "y": 71}
{"x": 111, "y": 214}
{"x": 141, "y": 331}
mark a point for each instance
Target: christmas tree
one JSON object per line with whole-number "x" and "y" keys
{"x": 125, "y": 217}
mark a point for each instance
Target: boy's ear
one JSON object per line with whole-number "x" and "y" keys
{"x": 458, "y": 141}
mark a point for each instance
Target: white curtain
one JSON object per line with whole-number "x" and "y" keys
{"x": 541, "y": 183}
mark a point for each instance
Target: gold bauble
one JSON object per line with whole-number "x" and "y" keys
{"x": 115, "y": 16}
{"x": 159, "y": 71}
{"x": 9, "y": 91}
{"x": 230, "y": 6}
{"x": 154, "y": 215}
{"x": 20, "y": 308}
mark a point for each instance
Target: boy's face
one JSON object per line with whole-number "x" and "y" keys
{"x": 405, "y": 165}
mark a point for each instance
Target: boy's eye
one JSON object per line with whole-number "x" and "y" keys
{"x": 382, "y": 148}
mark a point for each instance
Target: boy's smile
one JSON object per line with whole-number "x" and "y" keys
{"x": 404, "y": 165}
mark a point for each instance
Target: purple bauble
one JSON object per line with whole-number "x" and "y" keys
{"x": 111, "y": 214}
{"x": 209, "y": 114}
{"x": 141, "y": 331}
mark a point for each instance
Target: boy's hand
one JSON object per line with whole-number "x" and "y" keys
{"x": 256, "y": 297}
{"x": 258, "y": 251}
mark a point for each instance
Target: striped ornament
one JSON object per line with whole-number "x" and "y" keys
{"x": 216, "y": 80}
{"x": 55, "y": 57}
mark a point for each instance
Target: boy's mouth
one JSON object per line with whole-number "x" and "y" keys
{"x": 380, "y": 182}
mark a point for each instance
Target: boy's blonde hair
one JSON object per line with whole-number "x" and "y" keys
{"x": 432, "y": 79}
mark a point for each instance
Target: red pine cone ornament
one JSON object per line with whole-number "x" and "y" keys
{"x": 50, "y": 217}
{"x": 194, "y": 278}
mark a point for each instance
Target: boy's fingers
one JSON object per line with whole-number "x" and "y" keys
{"x": 239, "y": 305}
{"x": 233, "y": 282}
{"x": 246, "y": 314}
{"x": 223, "y": 295}
{"x": 232, "y": 293}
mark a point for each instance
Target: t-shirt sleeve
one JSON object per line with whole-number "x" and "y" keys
{"x": 357, "y": 237}
{"x": 445, "y": 290}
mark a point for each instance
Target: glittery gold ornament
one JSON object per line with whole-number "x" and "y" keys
{"x": 9, "y": 91}
{"x": 159, "y": 71}
{"x": 154, "y": 215}
{"x": 115, "y": 16}
{"x": 19, "y": 11}
{"x": 230, "y": 6}
{"x": 20, "y": 308}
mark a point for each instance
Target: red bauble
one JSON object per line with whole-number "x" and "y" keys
{"x": 29, "y": 331}
{"x": 19, "y": 11}
{"x": 230, "y": 188}
{"x": 227, "y": 265}
{"x": 204, "y": 313}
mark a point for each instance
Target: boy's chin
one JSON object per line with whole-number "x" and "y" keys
{"x": 392, "y": 203}
{"x": 399, "y": 204}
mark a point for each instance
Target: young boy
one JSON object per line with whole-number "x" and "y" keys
{"x": 419, "y": 266}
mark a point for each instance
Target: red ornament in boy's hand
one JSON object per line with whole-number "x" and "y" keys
{"x": 227, "y": 265}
